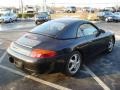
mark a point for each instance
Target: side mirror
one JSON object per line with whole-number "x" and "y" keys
{"x": 102, "y": 31}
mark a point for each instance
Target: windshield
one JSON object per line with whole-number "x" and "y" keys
{"x": 73, "y": 7}
{"x": 42, "y": 14}
{"x": 117, "y": 13}
{"x": 109, "y": 13}
{"x": 4, "y": 14}
{"x": 30, "y": 7}
{"x": 50, "y": 28}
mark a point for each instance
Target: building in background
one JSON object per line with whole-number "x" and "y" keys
{"x": 9, "y": 9}
{"x": 29, "y": 9}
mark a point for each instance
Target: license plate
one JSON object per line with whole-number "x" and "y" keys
{"x": 19, "y": 64}
{"x": 20, "y": 50}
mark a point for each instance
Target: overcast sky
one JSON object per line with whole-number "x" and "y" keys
{"x": 93, "y": 3}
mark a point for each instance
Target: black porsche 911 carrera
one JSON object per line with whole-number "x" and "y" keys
{"x": 65, "y": 40}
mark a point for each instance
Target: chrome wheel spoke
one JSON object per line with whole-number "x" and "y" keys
{"x": 71, "y": 68}
{"x": 74, "y": 63}
{"x": 110, "y": 47}
{"x": 78, "y": 62}
{"x": 76, "y": 57}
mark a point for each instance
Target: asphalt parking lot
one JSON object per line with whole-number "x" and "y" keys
{"x": 99, "y": 73}
{"x": 17, "y": 25}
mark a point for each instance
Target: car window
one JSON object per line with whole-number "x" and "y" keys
{"x": 79, "y": 33}
{"x": 42, "y": 14}
{"x": 49, "y": 28}
{"x": 109, "y": 13}
{"x": 9, "y": 14}
{"x": 6, "y": 14}
{"x": 70, "y": 31}
{"x": 88, "y": 29}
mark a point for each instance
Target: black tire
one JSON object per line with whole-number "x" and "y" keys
{"x": 106, "y": 20}
{"x": 68, "y": 11}
{"x": 67, "y": 64}
{"x": 37, "y": 23}
{"x": 73, "y": 11}
{"x": 116, "y": 21}
{"x": 10, "y": 20}
{"x": 16, "y": 20}
{"x": 110, "y": 45}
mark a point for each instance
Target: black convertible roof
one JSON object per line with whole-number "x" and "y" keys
{"x": 70, "y": 20}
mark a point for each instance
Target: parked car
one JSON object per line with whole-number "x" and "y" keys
{"x": 42, "y": 17}
{"x": 71, "y": 9}
{"x": 8, "y": 17}
{"x": 108, "y": 16}
{"x": 88, "y": 9}
{"x": 117, "y": 13}
{"x": 65, "y": 41}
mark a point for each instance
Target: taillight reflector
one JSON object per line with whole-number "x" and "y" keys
{"x": 40, "y": 53}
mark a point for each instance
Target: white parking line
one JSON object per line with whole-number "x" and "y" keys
{"x": 3, "y": 56}
{"x": 1, "y": 42}
{"x": 117, "y": 37}
{"x": 35, "y": 79}
{"x": 97, "y": 79}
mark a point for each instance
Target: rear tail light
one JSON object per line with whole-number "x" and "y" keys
{"x": 40, "y": 53}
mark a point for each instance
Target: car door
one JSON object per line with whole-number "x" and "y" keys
{"x": 83, "y": 44}
{"x": 12, "y": 16}
{"x": 9, "y": 16}
{"x": 95, "y": 41}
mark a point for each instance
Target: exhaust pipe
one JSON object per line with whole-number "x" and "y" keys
{"x": 11, "y": 59}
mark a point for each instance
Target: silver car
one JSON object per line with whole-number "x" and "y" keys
{"x": 8, "y": 17}
{"x": 42, "y": 17}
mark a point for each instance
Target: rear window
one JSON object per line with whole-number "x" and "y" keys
{"x": 108, "y": 13}
{"x": 49, "y": 28}
{"x": 42, "y": 14}
{"x": 73, "y": 7}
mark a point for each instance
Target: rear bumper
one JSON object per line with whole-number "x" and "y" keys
{"x": 41, "y": 20}
{"x": 32, "y": 64}
{"x": 114, "y": 19}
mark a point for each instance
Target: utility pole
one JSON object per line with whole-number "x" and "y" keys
{"x": 44, "y": 6}
{"x": 117, "y": 5}
{"x": 21, "y": 7}
{"x": 90, "y": 11}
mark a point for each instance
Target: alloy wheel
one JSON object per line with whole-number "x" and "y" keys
{"x": 110, "y": 45}
{"x": 74, "y": 63}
